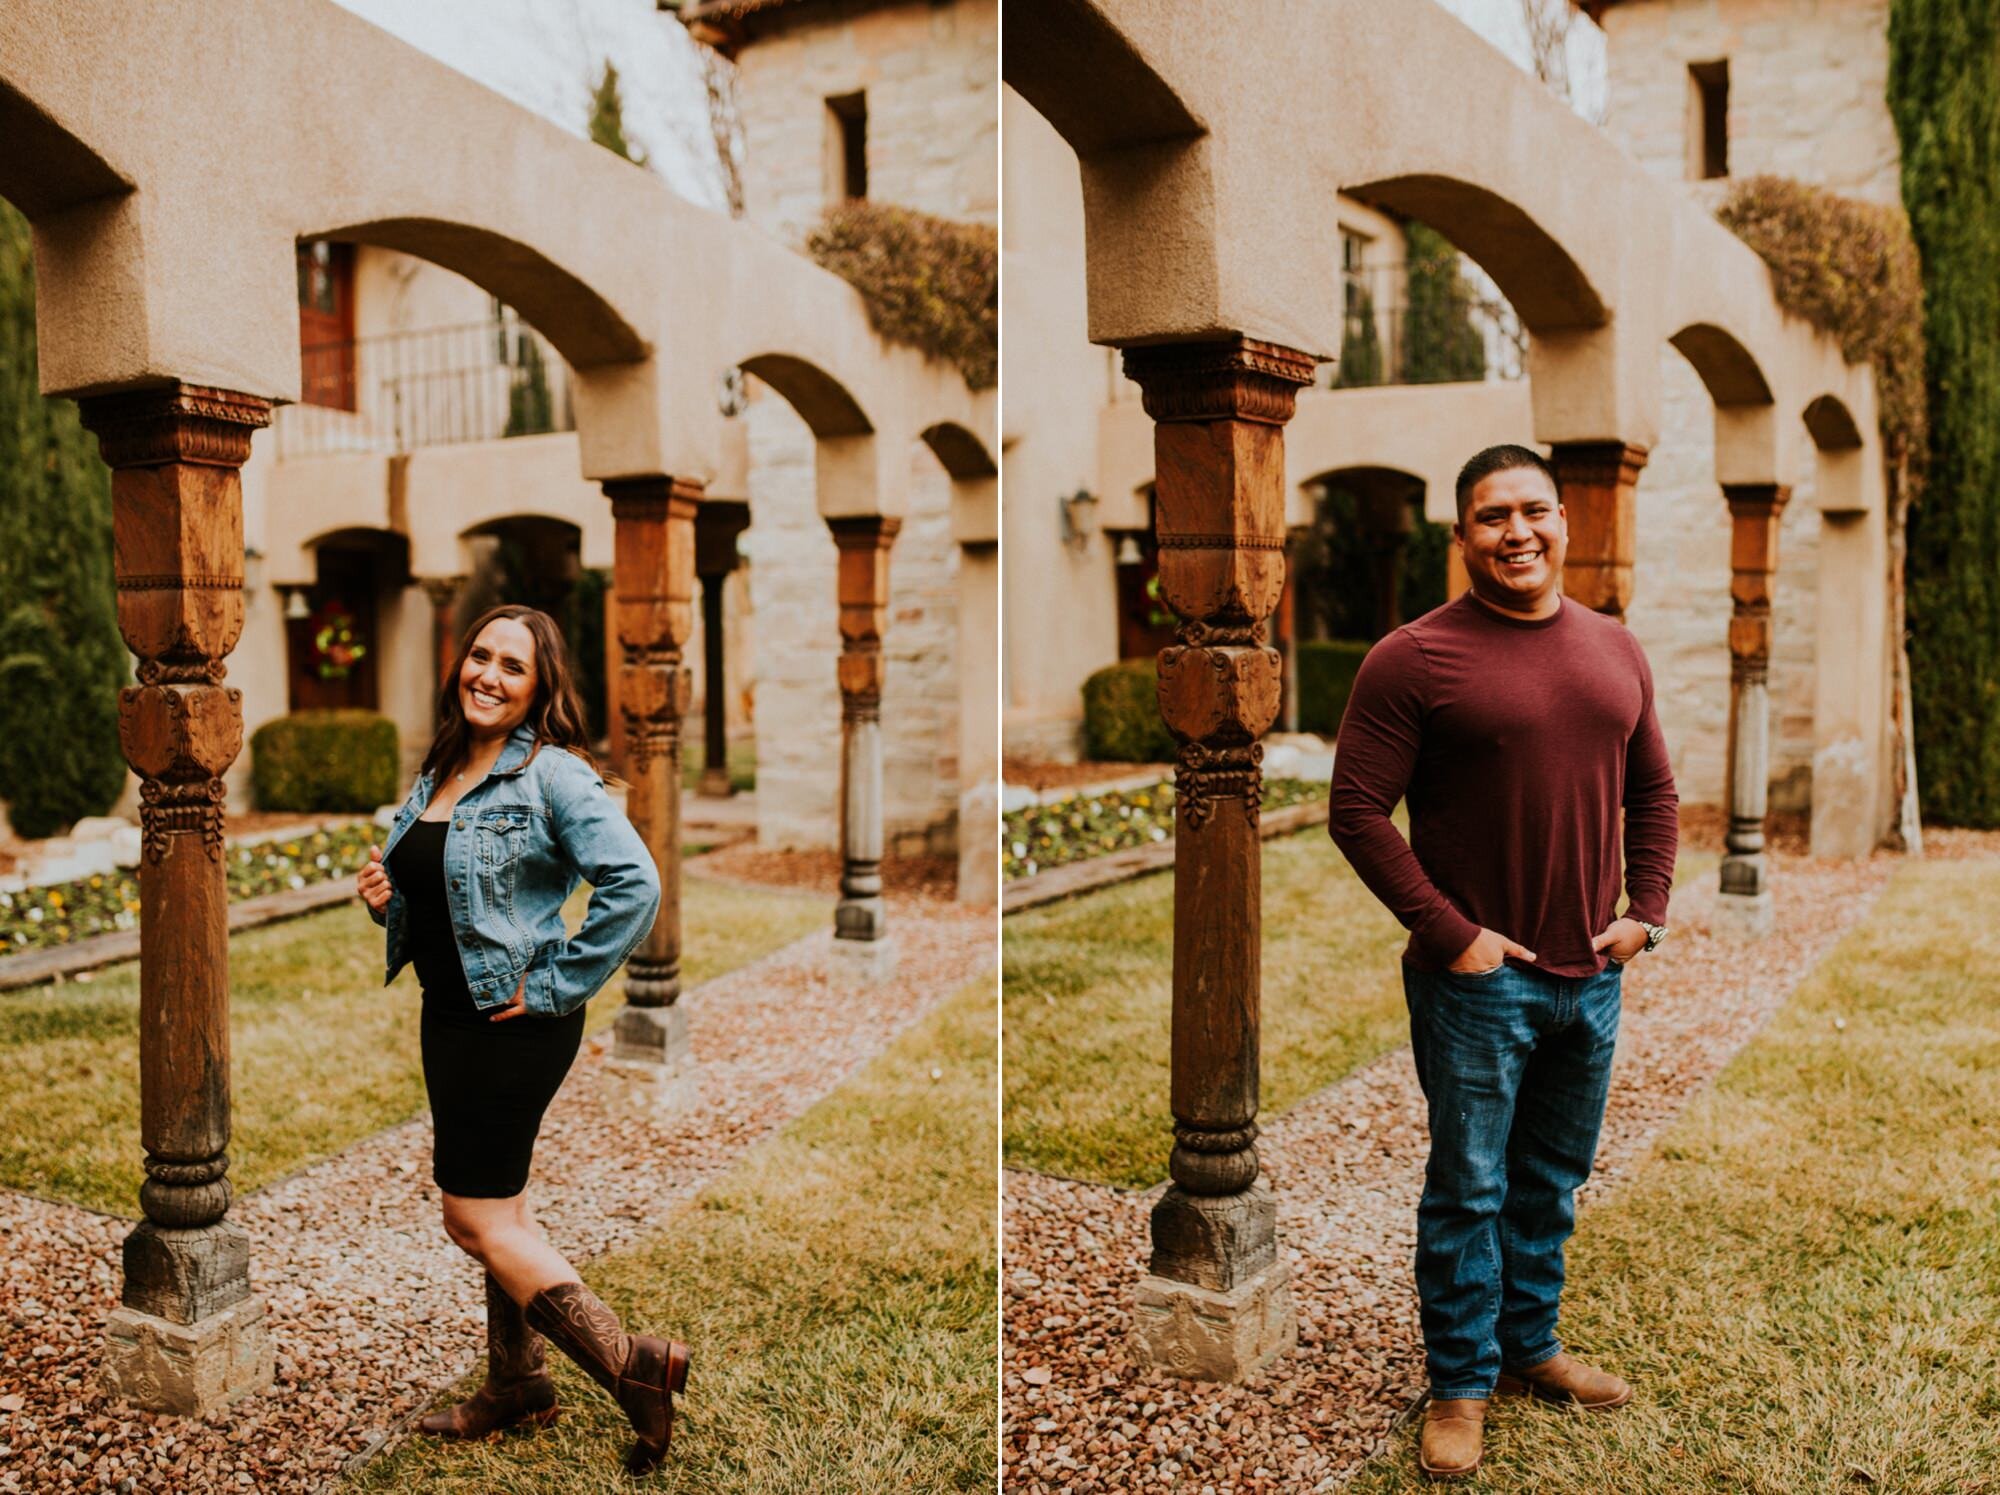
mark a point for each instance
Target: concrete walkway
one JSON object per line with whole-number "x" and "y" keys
{"x": 372, "y": 1310}
{"x": 1347, "y": 1167}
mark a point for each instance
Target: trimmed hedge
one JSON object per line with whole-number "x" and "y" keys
{"x": 1326, "y": 679}
{"x": 928, "y": 282}
{"x": 1945, "y": 100}
{"x": 1121, "y": 715}
{"x": 325, "y": 760}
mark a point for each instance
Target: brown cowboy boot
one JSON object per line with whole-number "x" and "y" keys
{"x": 1563, "y": 1378}
{"x": 1454, "y": 1433}
{"x": 641, "y": 1373}
{"x": 517, "y": 1389}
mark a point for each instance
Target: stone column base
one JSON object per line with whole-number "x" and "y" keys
{"x": 187, "y": 1369}
{"x": 1202, "y": 1335}
{"x": 652, "y": 1061}
{"x": 979, "y": 844}
{"x": 861, "y": 962}
{"x": 860, "y": 920}
{"x": 1743, "y": 916}
{"x": 714, "y": 784}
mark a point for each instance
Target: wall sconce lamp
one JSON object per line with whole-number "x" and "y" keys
{"x": 253, "y": 571}
{"x": 1079, "y": 518}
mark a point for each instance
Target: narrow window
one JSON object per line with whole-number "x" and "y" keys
{"x": 847, "y": 146}
{"x": 1708, "y": 91}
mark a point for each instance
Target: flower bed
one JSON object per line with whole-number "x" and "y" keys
{"x": 37, "y": 918}
{"x": 1089, "y": 825}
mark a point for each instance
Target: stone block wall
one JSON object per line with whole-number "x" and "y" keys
{"x": 1680, "y": 604}
{"x": 931, "y": 76}
{"x": 1808, "y": 84}
{"x": 1807, "y": 99}
{"x": 798, "y": 644}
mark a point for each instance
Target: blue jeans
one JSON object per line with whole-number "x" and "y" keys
{"x": 1515, "y": 1066}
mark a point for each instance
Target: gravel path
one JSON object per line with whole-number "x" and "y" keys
{"x": 372, "y": 1310}
{"x": 1347, "y": 1168}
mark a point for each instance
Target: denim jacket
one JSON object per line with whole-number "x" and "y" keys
{"x": 515, "y": 848}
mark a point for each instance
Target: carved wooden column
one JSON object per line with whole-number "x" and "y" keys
{"x": 1216, "y": 1304}
{"x": 653, "y": 579}
{"x": 188, "y": 1335}
{"x": 1597, "y": 482}
{"x": 863, "y": 586}
{"x": 1755, "y": 510}
{"x": 717, "y": 525}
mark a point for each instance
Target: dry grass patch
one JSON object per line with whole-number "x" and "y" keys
{"x": 1804, "y": 1283}
{"x": 322, "y": 1054}
{"x": 839, "y": 1291}
{"x": 1088, "y": 987}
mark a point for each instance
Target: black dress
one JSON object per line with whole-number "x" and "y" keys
{"x": 489, "y": 1082}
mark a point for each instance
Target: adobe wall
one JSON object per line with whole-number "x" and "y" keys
{"x": 929, "y": 72}
{"x": 1807, "y": 82}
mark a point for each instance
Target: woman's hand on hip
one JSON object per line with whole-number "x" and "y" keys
{"x": 372, "y": 882}
{"x": 516, "y": 1007}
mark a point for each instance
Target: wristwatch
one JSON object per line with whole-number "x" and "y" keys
{"x": 1654, "y": 933}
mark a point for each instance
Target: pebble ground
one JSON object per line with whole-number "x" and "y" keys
{"x": 372, "y": 1311}
{"x": 1079, "y": 1417}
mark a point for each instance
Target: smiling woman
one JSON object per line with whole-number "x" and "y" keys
{"x": 507, "y": 816}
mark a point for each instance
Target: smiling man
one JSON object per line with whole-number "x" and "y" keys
{"x": 1517, "y": 726}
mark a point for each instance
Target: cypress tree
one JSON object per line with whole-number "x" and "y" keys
{"x": 61, "y": 659}
{"x": 1440, "y": 343}
{"x": 1945, "y": 98}
{"x": 607, "y": 117}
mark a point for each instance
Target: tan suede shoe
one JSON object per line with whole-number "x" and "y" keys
{"x": 1563, "y": 1378}
{"x": 1454, "y": 1436}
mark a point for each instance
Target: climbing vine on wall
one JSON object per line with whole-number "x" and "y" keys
{"x": 1945, "y": 99}
{"x": 927, "y": 282}
{"x": 1849, "y": 268}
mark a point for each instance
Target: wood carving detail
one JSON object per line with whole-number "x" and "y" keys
{"x": 1755, "y": 512}
{"x": 180, "y": 739}
{"x": 1236, "y": 379}
{"x": 1597, "y": 483}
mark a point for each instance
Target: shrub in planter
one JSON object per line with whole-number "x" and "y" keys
{"x": 325, "y": 760}
{"x": 1121, "y": 715}
{"x": 1326, "y": 676}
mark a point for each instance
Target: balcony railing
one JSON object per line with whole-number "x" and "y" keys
{"x": 399, "y": 391}
{"x": 1431, "y": 323}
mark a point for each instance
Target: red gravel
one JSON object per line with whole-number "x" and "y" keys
{"x": 1346, "y": 1165}
{"x": 371, "y": 1309}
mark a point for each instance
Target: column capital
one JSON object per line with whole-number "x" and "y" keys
{"x": 1597, "y": 463}
{"x": 652, "y": 497}
{"x": 175, "y": 423}
{"x": 718, "y": 523}
{"x": 1748, "y": 499}
{"x": 1235, "y": 378}
{"x": 865, "y": 531}
{"x": 1597, "y": 483}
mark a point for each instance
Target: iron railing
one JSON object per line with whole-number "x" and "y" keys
{"x": 398, "y": 391}
{"x": 1457, "y": 326}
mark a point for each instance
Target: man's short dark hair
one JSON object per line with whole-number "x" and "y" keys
{"x": 1498, "y": 459}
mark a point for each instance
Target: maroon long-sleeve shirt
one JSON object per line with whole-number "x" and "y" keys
{"x": 1516, "y": 742}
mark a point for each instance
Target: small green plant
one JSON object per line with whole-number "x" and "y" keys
{"x": 607, "y": 117}
{"x": 1121, "y": 715}
{"x": 1326, "y": 678}
{"x": 325, "y": 760}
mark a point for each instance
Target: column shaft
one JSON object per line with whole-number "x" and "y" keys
{"x": 189, "y": 1337}
{"x": 718, "y": 524}
{"x": 443, "y": 592}
{"x": 1755, "y": 512}
{"x": 653, "y": 578}
{"x": 1598, "y": 482}
{"x": 1219, "y": 411}
{"x": 863, "y": 589}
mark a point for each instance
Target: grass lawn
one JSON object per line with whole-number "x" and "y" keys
{"x": 322, "y": 1054}
{"x": 838, "y": 1289}
{"x": 1088, "y": 1000}
{"x": 1804, "y": 1283}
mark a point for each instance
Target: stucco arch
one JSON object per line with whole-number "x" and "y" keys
{"x": 48, "y": 167}
{"x": 1830, "y": 424}
{"x": 1535, "y": 272}
{"x": 822, "y": 401}
{"x": 961, "y": 453}
{"x": 581, "y": 324}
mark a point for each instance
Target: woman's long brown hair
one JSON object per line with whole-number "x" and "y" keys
{"x": 555, "y": 714}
